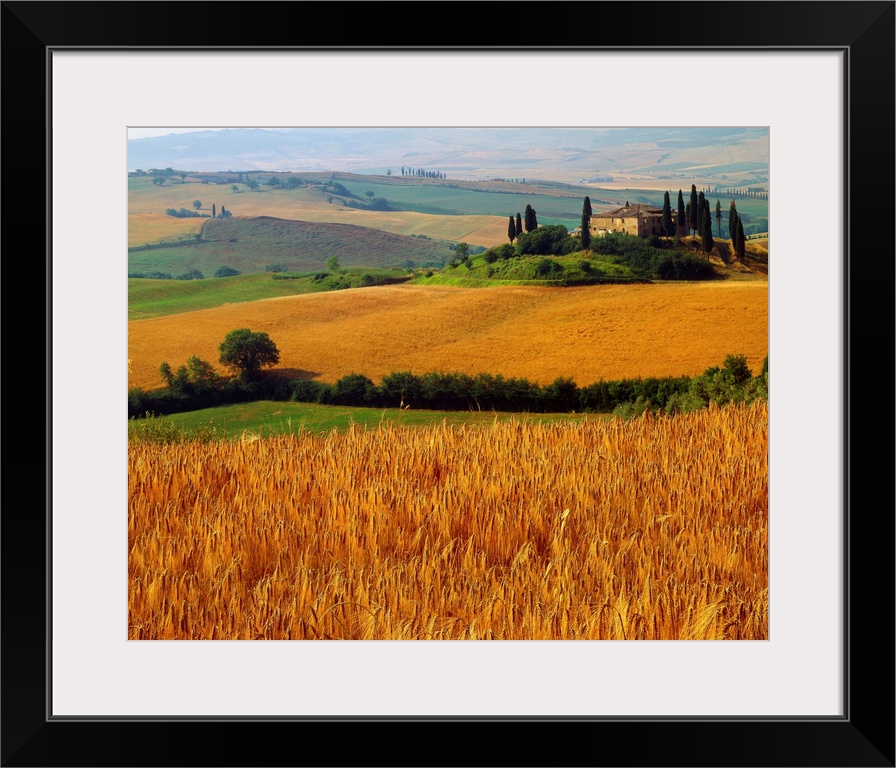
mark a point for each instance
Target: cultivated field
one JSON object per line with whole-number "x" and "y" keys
{"x": 588, "y": 334}
{"x": 653, "y": 528}
{"x": 147, "y": 205}
{"x": 152, "y": 227}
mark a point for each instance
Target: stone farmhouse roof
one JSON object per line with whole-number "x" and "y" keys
{"x": 638, "y": 210}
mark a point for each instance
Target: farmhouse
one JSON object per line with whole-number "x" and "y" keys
{"x": 637, "y": 219}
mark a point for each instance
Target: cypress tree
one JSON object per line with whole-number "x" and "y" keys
{"x": 682, "y": 214}
{"x": 719, "y": 217}
{"x": 511, "y": 230}
{"x": 732, "y": 223}
{"x": 693, "y": 220}
{"x": 528, "y": 221}
{"x": 667, "y": 216}
{"x": 741, "y": 246}
{"x": 519, "y": 224}
{"x": 534, "y": 220}
{"x": 706, "y": 234}
{"x": 213, "y": 210}
{"x": 586, "y": 223}
{"x": 701, "y": 205}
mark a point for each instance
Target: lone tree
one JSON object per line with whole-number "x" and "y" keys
{"x": 247, "y": 352}
{"x": 333, "y": 264}
{"x": 668, "y": 227}
{"x": 197, "y": 204}
{"x": 511, "y": 229}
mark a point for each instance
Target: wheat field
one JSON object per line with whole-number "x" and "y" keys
{"x": 147, "y": 220}
{"x": 654, "y": 528}
{"x": 589, "y": 334}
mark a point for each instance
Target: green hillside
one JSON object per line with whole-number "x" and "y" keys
{"x": 447, "y": 199}
{"x": 251, "y": 245}
{"x": 155, "y": 298}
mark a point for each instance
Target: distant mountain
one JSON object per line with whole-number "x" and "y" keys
{"x": 551, "y": 153}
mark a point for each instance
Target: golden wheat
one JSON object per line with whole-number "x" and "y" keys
{"x": 653, "y": 528}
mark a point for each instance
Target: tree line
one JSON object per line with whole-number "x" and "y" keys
{"x": 422, "y": 173}
{"x": 245, "y": 353}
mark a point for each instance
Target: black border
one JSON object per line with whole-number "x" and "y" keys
{"x": 865, "y": 737}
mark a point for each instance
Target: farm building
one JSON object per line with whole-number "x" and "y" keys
{"x": 637, "y": 219}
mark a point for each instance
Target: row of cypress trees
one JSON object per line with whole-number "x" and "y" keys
{"x": 515, "y": 227}
{"x": 694, "y": 216}
{"x": 736, "y": 228}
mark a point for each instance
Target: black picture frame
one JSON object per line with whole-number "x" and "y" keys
{"x": 864, "y": 736}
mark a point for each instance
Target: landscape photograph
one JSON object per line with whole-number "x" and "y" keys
{"x": 461, "y": 383}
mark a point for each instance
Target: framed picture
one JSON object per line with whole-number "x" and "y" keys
{"x": 818, "y": 691}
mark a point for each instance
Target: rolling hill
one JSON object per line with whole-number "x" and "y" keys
{"x": 249, "y": 245}
{"x": 539, "y": 333}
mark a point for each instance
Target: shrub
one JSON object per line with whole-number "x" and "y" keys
{"x": 547, "y": 268}
{"x": 503, "y": 252}
{"x": 307, "y": 391}
{"x": 355, "y": 389}
{"x": 632, "y": 410}
{"x": 553, "y": 239}
{"x": 736, "y": 366}
{"x": 226, "y": 272}
{"x": 153, "y": 429}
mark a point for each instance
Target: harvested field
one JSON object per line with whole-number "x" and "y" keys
{"x": 588, "y": 334}
{"x": 147, "y": 220}
{"x": 152, "y": 227}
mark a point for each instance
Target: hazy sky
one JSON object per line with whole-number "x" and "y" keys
{"x": 142, "y": 133}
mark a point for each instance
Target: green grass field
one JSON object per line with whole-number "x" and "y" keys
{"x": 267, "y": 418}
{"x": 445, "y": 200}
{"x": 157, "y": 298}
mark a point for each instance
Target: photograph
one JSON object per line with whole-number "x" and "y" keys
{"x": 448, "y": 341}
{"x": 448, "y": 383}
